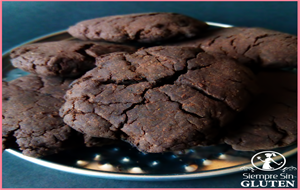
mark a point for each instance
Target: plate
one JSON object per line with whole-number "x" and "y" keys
{"x": 122, "y": 161}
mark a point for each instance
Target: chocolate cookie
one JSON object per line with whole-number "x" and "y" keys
{"x": 160, "y": 98}
{"x": 30, "y": 118}
{"x": 145, "y": 28}
{"x": 62, "y": 58}
{"x": 271, "y": 119}
{"x": 251, "y": 46}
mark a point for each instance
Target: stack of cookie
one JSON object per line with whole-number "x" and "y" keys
{"x": 159, "y": 81}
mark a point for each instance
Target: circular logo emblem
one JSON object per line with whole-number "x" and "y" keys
{"x": 267, "y": 159}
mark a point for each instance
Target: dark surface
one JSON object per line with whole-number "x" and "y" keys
{"x": 39, "y": 18}
{"x": 23, "y": 21}
{"x": 18, "y": 173}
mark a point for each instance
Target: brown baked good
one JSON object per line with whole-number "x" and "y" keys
{"x": 144, "y": 27}
{"x": 30, "y": 118}
{"x": 256, "y": 47}
{"x": 62, "y": 58}
{"x": 160, "y": 98}
{"x": 271, "y": 119}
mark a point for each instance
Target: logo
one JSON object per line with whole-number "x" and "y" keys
{"x": 269, "y": 161}
{"x": 265, "y": 161}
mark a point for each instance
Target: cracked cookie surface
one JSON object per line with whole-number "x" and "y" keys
{"x": 30, "y": 116}
{"x": 160, "y": 98}
{"x": 252, "y": 46}
{"x": 271, "y": 119}
{"x": 145, "y": 28}
{"x": 62, "y": 58}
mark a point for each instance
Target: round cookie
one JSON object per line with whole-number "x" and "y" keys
{"x": 145, "y": 28}
{"x": 30, "y": 116}
{"x": 251, "y": 46}
{"x": 271, "y": 119}
{"x": 62, "y": 58}
{"x": 160, "y": 98}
